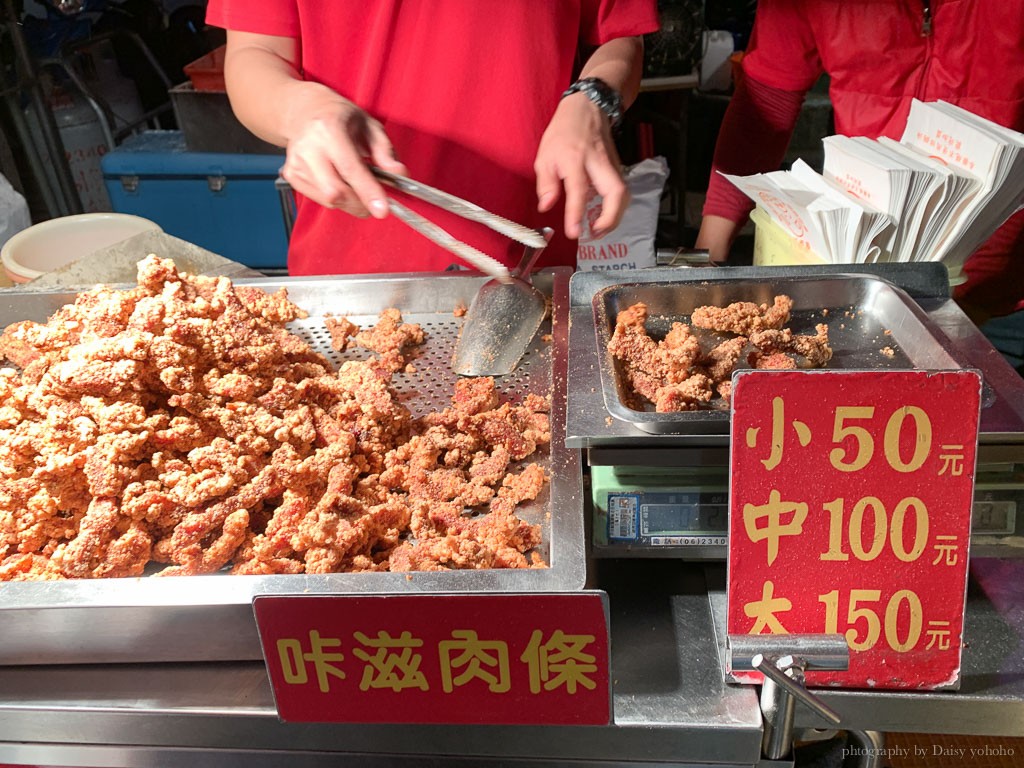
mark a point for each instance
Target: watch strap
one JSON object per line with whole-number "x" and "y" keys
{"x": 598, "y": 91}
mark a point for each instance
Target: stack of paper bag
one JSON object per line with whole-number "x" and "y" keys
{"x": 935, "y": 195}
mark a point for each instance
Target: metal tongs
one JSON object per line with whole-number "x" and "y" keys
{"x": 486, "y": 264}
{"x": 507, "y": 310}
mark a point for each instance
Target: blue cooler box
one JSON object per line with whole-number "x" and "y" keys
{"x": 226, "y": 203}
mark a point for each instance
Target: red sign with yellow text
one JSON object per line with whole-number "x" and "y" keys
{"x": 474, "y": 659}
{"x": 850, "y": 512}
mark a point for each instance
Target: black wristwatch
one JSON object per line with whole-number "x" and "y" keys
{"x": 598, "y": 91}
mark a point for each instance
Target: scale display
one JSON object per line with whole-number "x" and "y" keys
{"x": 657, "y": 513}
{"x": 993, "y": 517}
{"x": 675, "y": 519}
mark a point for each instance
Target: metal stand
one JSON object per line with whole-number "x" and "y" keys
{"x": 63, "y": 199}
{"x": 783, "y": 660}
{"x": 113, "y": 133}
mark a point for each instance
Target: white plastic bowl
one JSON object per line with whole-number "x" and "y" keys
{"x": 52, "y": 244}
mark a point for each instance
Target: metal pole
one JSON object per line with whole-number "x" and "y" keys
{"x": 778, "y": 707}
{"x": 47, "y": 125}
{"x": 871, "y": 744}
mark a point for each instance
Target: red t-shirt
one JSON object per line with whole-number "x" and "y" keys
{"x": 464, "y": 91}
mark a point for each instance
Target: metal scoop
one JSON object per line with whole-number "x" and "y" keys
{"x": 502, "y": 321}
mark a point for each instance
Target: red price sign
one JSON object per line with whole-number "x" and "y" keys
{"x": 474, "y": 659}
{"x": 850, "y": 511}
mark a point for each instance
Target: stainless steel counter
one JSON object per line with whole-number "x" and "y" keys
{"x": 670, "y": 704}
{"x": 990, "y": 701}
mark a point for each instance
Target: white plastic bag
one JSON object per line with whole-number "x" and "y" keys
{"x": 14, "y": 215}
{"x": 631, "y": 244}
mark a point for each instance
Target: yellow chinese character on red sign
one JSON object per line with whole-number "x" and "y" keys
{"x": 803, "y": 434}
{"x": 763, "y": 611}
{"x": 946, "y": 550}
{"x": 476, "y": 656}
{"x": 561, "y": 661}
{"x": 293, "y": 660}
{"x": 392, "y": 664}
{"x": 938, "y": 634}
{"x": 952, "y": 460}
{"x": 773, "y": 528}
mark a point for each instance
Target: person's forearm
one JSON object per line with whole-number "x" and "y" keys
{"x": 619, "y": 63}
{"x": 716, "y": 236}
{"x": 328, "y": 138}
{"x": 267, "y": 94}
{"x": 753, "y": 138}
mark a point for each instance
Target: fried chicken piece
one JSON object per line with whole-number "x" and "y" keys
{"x": 351, "y": 530}
{"x": 29, "y": 567}
{"x": 687, "y": 395}
{"x": 490, "y": 468}
{"x": 721, "y": 361}
{"x": 14, "y": 345}
{"x": 744, "y": 317}
{"x": 679, "y": 350}
{"x": 814, "y": 348}
{"x": 648, "y": 363}
{"x": 273, "y": 307}
{"x": 341, "y": 329}
{"x": 675, "y": 375}
{"x": 475, "y": 395}
{"x": 517, "y": 488}
{"x": 631, "y": 344}
{"x": 446, "y": 539}
{"x": 777, "y": 361}
{"x": 98, "y": 550}
{"x": 390, "y": 338}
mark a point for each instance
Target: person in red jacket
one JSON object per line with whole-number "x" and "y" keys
{"x": 879, "y": 54}
{"x": 469, "y": 95}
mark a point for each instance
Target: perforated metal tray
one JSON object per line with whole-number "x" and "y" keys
{"x": 206, "y": 618}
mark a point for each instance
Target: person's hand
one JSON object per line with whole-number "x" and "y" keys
{"x": 577, "y": 151}
{"x": 330, "y": 142}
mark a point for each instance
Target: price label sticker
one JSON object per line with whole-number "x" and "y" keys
{"x": 850, "y": 513}
{"x": 499, "y": 659}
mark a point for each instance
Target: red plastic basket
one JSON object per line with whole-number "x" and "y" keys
{"x": 207, "y": 72}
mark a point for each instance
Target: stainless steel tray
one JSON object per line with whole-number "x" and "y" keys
{"x": 209, "y": 618}
{"x": 865, "y": 315}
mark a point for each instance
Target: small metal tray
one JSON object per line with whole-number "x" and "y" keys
{"x": 209, "y": 618}
{"x": 865, "y": 315}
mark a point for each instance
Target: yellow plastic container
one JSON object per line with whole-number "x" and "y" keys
{"x": 774, "y": 247}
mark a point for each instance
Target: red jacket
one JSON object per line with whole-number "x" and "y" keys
{"x": 880, "y": 54}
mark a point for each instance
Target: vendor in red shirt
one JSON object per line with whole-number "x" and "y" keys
{"x": 879, "y": 56}
{"x": 469, "y": 96}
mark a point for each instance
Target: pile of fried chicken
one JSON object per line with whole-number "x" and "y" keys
{"x": 180, "y": 423}
{"x": 678, "y": 374}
